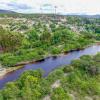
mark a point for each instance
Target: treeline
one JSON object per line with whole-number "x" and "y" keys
{"x": 39, "y": 42}
{"x": 79, "y": 80}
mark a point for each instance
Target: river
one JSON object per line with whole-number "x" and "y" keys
{"x": 49, "y": 64}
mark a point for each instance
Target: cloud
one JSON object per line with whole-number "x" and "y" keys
{"x": 63, "y": 6}
{"x": 18, "y": 6}
{"x": 47, "y": 7}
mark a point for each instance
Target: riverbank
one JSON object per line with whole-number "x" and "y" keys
{"x": 54, "y": 55}
{"x": 9, "y": 70}
{"x": 2, "y": 72}
{"x": 73, "y": 81}
{"x": 21, "y": 64}
{"x": 49, "y": 64}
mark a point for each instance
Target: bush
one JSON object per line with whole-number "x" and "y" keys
{"x": 59, "y": 94}
{"x": 68, "y": 69}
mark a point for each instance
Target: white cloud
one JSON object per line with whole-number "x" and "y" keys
{"x": 63, "y": 6}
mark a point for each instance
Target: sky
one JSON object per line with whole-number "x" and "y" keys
{"x": 48, "y": 6}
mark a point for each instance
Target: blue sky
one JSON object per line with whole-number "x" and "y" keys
{"x": 47, "y": 6}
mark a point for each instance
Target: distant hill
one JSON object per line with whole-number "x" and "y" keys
{"x": 6, "y": 11}
{"x": 86, "y": 16}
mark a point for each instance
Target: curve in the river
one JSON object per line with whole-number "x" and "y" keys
{"x": 49, "y": 64}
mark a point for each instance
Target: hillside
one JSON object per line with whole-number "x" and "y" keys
{"x": 6, "y": 11}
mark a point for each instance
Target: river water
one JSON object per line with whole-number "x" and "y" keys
{"x": 49, "y": 64}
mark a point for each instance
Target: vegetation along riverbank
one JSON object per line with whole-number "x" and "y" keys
{"x": 42, "y": 39}
{"x": 79, "y": 80}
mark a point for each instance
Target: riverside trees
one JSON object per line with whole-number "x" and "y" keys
{"x": 77, "y": 80}
{"x": 9, "y": 41}
{"x": 36, "y": 44}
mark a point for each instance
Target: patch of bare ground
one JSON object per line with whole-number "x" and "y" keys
{"x": 47, "y": 97}
{"x": 88, "y": 98}
{"x": 66, "y": 74}
{"x": 56, "y": 84}
{"x": 96, "y": 97}
{"x": 72, "y": 96}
